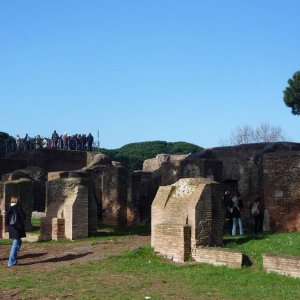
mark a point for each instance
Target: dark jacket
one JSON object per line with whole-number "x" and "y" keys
{"x": 17, "y": 230}
{"x": 236, "y": 209}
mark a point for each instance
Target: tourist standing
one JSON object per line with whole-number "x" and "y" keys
{"x": 15, "y": 218}
{"x": 54, "y": 139}
{"x": 27, "y": 142}
{"x": 257, "y": 213}
{"x": 65, "y": 141}
{"x": 38, "y": 142}
{"x": 18, "y": 142}
{"x": 228, "y": 211}
{"x": 235, "y": 206}
{"x": 90, "y": 140}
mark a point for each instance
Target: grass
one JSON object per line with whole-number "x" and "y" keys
{"x": 35, "y": 221}
{"x": 140, "y": 273}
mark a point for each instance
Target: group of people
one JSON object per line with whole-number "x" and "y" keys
{"x": 234, "y": 208}
{"x": 81, "y": 142}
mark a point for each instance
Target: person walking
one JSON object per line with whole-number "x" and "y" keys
{"x": 15, "y": 218}
{"x": 235, "y": 206}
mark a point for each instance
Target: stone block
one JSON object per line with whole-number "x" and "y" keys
{"x": 68, "y": 199}
{"x": 56, "y": 175}
{"x": 52, "y": 229}
{"x": 218, "y": 256}
{"x": 193, "y": 204}
{"x": 282, "y": 264}
{"x": 173, "y": 241}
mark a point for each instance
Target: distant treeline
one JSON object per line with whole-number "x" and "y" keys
{"x": 133, "y": 155}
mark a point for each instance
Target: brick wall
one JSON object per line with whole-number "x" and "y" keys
{"x": 52, "y": 229}
{"x": 114, "y": 196}
{"x": 187, "y": 202}
{"x": 282, "y": 264}
{"x": 8, "y": 165}
{"x": 173, "y": 241}
{"x": 68, "y": 199}
{"x": 281, "y": 189}
{"x": 140, "y": 194}
{"x": 3, "y": 228}
{"x": 76, "y": 213}
{"x": 218, "y": 256}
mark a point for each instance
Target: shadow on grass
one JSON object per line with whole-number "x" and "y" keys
{"x": 67, "y": 257}
{"x": 106, "y": 231}
{"x": 242, "y": 239}
{"x": 246, "y": 261}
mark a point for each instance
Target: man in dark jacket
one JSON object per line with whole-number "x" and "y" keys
{"x": 90, "y": 140}
{"x": 54, "y": 139}
{"x": 15, "y": 218}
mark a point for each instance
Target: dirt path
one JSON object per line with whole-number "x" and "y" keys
{"x": 52, "y": 255}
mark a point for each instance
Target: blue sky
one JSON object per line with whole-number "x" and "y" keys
{"x": 144, "y": 70}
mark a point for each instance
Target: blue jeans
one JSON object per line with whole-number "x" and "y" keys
{"x": 234, "y": 226}
{"x": 15, "y": 248}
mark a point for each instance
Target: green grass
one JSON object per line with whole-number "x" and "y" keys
{"x": 140, "y": 273}
{"x": 35, "y": 221}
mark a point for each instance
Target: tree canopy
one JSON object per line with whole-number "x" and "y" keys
{"x": 133, "y": 155}
{"x": 291, "y": 95}
{"x": 4, "y": 139}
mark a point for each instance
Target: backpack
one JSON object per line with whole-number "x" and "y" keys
{"x": 14, "y": 218}
{"x": 255, "y": 209}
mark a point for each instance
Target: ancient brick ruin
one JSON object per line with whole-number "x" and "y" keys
{"x": 121, "y": 197}
{"x": 187, "y": 215}
{"x": 268, "y": 170}
{"x": 282, "y": 264}
{"x": 77, "y": 190}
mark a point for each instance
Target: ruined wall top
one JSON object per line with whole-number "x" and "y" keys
{"x": 176, "y": 198}
{"x": 153, "y": 164}
{"x": 245, "y": 150}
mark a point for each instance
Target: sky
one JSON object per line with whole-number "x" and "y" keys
{"x": 145, "y": 70}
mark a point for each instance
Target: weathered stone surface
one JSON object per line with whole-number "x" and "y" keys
{"x": 218, "y": 256}
{"x": 3, "y": 228}
{"x": 268, "y": 170}
{"x": 52, "y": 229}
{"x": 281, "y": 189}
{"x": 114, "y": 196}
{"x": 173, "y": 241}
{"x": 68, "y": 199}
{"x": 249, "y": 166}
{"x": 9, "y": 165}
{"x": 252, "y": 170}
{"x": 140, "y": 193}
{"x": 196, "y": 202}
{"x": 38, "y": 178}
{"x": 282, "y": 264}
{"x": 98, "y": 160}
